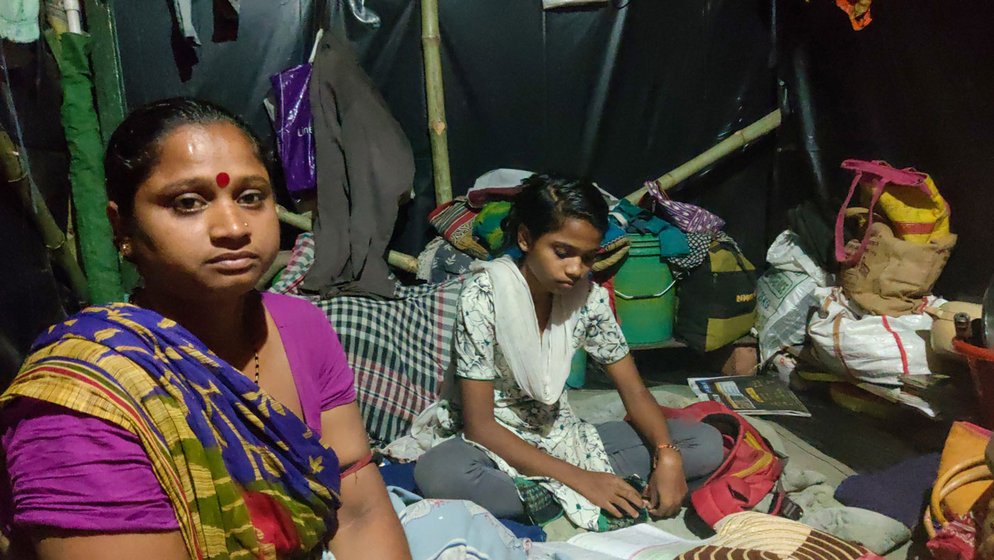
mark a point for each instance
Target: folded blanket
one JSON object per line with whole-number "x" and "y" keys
{"x": 897, "y": 492}
{"x": 877, "y": 532}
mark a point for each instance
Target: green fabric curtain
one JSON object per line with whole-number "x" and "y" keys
{"x": 79, "y": 119}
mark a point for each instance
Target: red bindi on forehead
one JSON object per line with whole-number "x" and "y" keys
{"x": 222, "y": 179}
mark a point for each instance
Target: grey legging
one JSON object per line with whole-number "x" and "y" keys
{"x": 460, "y": 471}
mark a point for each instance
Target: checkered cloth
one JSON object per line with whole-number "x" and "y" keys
{"x": 699, "y": 243}
{"x": 539, "y": 504}
{"x": 398, "y": 348}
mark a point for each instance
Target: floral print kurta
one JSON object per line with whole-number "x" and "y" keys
{"x": 553, "y": 428}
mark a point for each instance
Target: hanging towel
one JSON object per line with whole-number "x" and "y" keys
{"x": 687, "y": 217}
{"x": 19, "y": 20}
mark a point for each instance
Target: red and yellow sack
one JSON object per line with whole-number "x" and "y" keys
{"x": 908, "y": 199}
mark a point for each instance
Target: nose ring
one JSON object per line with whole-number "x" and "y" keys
{"x": 245, "y": 224}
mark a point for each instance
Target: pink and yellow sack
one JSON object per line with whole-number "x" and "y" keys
{"x": 908, "y": 199}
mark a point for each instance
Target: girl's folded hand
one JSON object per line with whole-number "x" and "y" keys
{"x": 609, "y": 492}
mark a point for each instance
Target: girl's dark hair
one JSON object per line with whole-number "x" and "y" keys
{"x": 133, "y": 150}
{"x": 546, "y": 201}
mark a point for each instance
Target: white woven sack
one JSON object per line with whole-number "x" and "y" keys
{"x": 872, "y": 348}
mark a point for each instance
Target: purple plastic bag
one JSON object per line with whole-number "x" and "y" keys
{"x": 294, "y": 130}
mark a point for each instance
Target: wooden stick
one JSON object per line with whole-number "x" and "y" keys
{"x": 435, "y": 97}
{"x": 737, "y": 140}
{"x": 396, "y": 259}
{"x": 51, "y": 235}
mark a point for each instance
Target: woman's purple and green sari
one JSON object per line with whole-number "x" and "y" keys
{"x": 246, "y": 477}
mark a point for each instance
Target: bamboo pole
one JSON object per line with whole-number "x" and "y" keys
{"x": 52, "y": 237}
{"x": 435, "y": 97}
{"x": 299, "y": 221}
{"x": 396, "y": 259}
{"x": 737, "y": 140}
{"x": 404, "y": 262}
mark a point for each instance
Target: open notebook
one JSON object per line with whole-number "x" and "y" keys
{"x": 638, "y": 542}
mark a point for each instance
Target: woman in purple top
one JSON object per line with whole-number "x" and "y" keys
{"x": 204, "y": 420}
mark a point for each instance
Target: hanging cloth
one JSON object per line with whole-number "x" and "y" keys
{"x": 19, "y": 20}
{"x": 183, "y": 10}
{"x": 858, "y": 12}
{"x": 364, "y": 167}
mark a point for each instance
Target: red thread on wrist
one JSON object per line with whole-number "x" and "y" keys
{"x": 358, "y": 465}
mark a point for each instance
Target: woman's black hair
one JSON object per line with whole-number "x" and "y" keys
{"x": 546, "y": 201}
{"x": 133, "y": 150}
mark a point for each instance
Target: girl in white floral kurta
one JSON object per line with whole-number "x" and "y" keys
{"x": 519, "y": 323}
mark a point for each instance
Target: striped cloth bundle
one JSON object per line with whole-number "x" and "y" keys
{"x": 398, "y": 348}
{"x": 687, "y": 217}
{"x": 758, "y": 536}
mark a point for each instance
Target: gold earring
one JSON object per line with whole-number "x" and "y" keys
{"x": 125, "y": 249}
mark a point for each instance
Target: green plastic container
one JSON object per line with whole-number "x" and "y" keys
{"x": 645, "y": 294}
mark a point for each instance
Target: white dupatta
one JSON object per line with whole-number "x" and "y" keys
{"x": 540, "y": 362}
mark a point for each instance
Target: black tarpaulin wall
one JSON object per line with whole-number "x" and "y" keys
{"x": 621, "y": 94}
{"x": 914, "y": 88}
{"x": 30, "y": 298}
{"x": 618, "y": 94}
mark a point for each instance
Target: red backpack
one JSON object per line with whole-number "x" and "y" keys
{"x": 749, "y": 472}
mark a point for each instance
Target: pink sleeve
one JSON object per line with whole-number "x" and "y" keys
{"x": 317, "y": 359}
{"x": 73, "y": 471}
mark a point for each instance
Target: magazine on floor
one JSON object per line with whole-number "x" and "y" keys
{"x": 750, "y": 394}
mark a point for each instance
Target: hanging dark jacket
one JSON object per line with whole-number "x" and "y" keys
{"x": 364, "y": 167}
